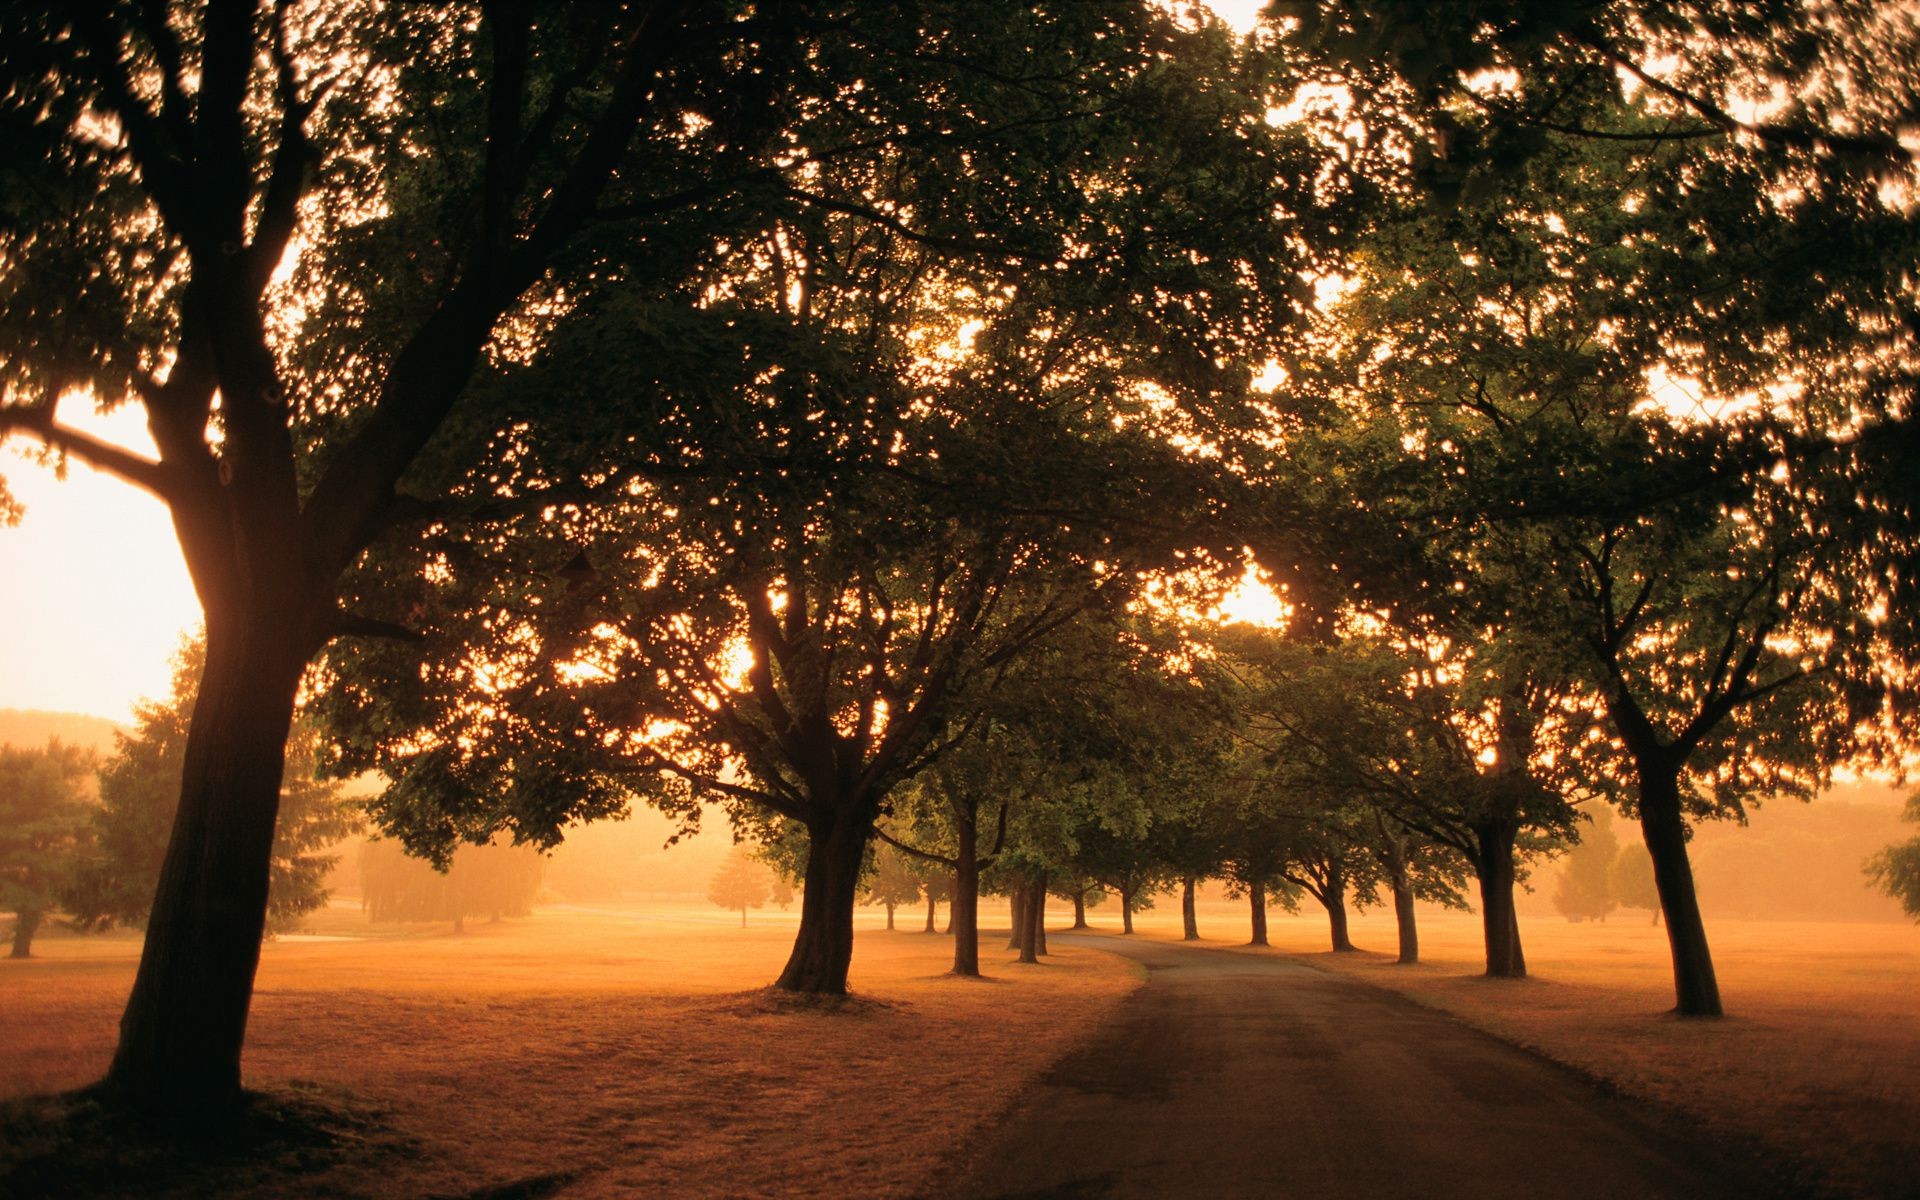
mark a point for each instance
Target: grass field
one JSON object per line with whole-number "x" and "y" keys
{"x": 1816, "y": 1067}
{"x": 588, "y": 1052}
{"x": 596, "y": 1053}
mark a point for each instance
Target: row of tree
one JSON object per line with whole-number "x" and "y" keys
{"x": 801, "y": 405}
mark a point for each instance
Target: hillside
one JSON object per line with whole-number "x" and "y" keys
{"x": 32, "y": 727}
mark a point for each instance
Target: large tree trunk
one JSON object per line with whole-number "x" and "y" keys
{"x": 1190, "y": 924}
{"x": 1404, "y": 919}
{"x": 1499, "y": 926}
{"x": 26, "y": 923}
{"x": 933, "y": 912}
{"x": 963, "y": 911}
{"x": 1257, "y": 902}
{"x": 824, "y": 948}
{"x": 186, "y": 1018}
{"x": 1696, "y": 990}
{"x": 1017, "y": 906}
{"x": 1126, "y": 910}
{"x": 1080, "y": 908}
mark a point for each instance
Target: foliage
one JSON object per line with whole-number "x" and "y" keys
{"x": 1585, "y": 889}
{"x": 741, "y": 883}
{"x": 495, "y": 881}
{"x": 1631, "y": 880}
{"x": 896, "y": 880}
{"x": 46, "y": 802}
{"x": 139, "y": 789}
{"x": 1896, "y": 870}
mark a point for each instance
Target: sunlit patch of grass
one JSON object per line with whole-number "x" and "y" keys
{"x": 1817, "y": 1062}
{"x": 602, "y": 1053}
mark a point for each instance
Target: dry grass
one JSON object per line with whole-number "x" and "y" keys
{"x": 1817, "y": 1065}
{"x": 586, "y": 1054}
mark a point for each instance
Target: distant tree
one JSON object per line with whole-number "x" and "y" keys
{"x": 1632, "y": 880}
{"x": 140, "y": 790}
{"x": 894, "y": 881}
{"x": 1585, "y": 890}
{"x": 1897, "y": 868}
{"x": 45, "y": 802}
{"x": 497, "y": 881}
{"x": 744, "y": 882}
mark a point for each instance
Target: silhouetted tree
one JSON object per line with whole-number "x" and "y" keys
{"x": 894, "y": 881}
{"x": 745, "y": 882}
{"x": 46, "y": 805}
{"x": 1897, "y": 868}
{"x": 494, "y": 881}
{"x": 1585, "y": 890}
{"x": 1632, "y": 881}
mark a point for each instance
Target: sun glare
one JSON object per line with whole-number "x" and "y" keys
{"x": 96, "y": 593}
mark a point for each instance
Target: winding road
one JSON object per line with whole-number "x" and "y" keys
{"x": 1239, "y": 1075}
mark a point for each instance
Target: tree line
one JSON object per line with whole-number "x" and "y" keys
{"x": 820, "y": 409}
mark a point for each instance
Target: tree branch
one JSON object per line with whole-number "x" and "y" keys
{"x": 103, "y": 456}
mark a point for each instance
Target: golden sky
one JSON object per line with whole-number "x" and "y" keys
{"x": 93, "y": 595}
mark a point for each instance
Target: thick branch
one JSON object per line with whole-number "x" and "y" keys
{"x": 104, "y": 456}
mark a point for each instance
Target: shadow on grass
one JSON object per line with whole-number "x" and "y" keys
{"x": 73, "y": 1145}
{"x": 780, "y": 1002}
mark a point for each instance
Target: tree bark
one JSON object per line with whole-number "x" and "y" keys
{"x": 1190, "y": 923}
{"x": 963, "y": 911}
{"x": 1080, "y": 909}
{"x": 1336, "y": 906}
{"x": 1695, "y": 988}
{"x": 186, "y": 1019}
{"x": 26, "y": 922}
{"x": 1403, "y": 918}
{"x": 889, "y": 916}
{"x": 1017, "y": 903}
{"x": 933, "y": 913}
{"x": 1039, "y": 918}
{"x": 1257, "y": 901}
{"x": 1026, "y": 933}
{"x": 1499, "y": 926}
{"x": 824, "y": 948}
{"x": 1126, "y": 910}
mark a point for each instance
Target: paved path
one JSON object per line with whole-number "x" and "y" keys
{"x": 1236, "y": 1075}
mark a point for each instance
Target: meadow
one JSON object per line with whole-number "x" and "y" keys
{"x": 590, "y": 1052}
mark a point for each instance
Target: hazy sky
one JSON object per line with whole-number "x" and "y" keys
{"x": 93, "y": 595}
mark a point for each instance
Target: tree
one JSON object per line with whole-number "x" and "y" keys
{"x": 894, "y": 881}
{"x": 426, "y": 168}
{"x": 1594, "y": 237}
{"x": 882, "y": 454}
{"x": 46, "y": 802}
{"x": 139, "y": 789}
{"x": 1632, "y": 881}
{"x": 744, "y": 882}
{"x": 1585, "y": 891}
{"x": 495, "y": 881}
{"x": 1897, "y": 868}
{"x": 1442, "y": 736}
